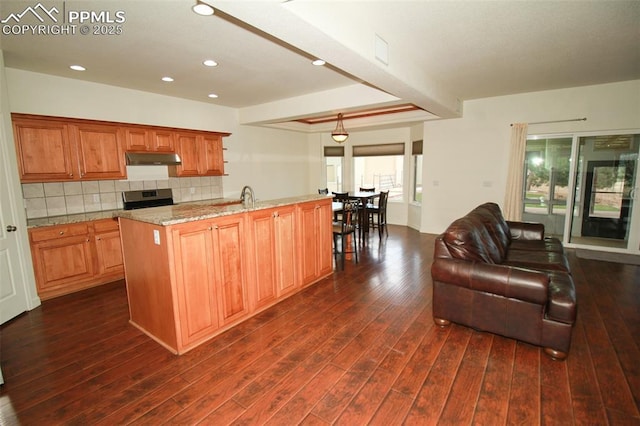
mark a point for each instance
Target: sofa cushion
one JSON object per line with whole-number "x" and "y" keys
{"x": 467, "y": 239}
{"x": 540, "y": 260}
{"x": 546, "y": 244}
{"x": 495, "y": 225}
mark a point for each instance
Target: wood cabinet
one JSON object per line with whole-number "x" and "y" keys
{"x": 148, "y": 139}
{"x": 44, "y": 150}
{"x": 108, "y": 250}
{"x": 68, "y": 258}
{"x": 51, "y": 149}
{"x": 315, "y": 240}
{"x": 100, "y": 151}
{"x": 274, "y": 254}
{"x": 201, "y": 154}
{"x": 211, "y": 273}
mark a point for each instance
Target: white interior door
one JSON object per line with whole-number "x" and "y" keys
{"x": 13, "y": 297}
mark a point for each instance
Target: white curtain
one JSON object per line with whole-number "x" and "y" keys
{"x": 513, "y": 195}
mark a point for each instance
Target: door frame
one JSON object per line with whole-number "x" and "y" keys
{"x": 633, "y": 243}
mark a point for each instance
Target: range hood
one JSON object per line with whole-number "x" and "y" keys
{"x": 152, "y": 159}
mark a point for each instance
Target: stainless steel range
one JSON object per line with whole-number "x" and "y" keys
{"x": 143, "y": 198}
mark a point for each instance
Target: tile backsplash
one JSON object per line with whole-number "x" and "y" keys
{"x": 61, "y": 198}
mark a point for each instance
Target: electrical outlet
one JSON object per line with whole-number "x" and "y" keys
{"x": 96, "y": 198}
{"x": 156, "y": 237}
{"x": 192, "y": 190}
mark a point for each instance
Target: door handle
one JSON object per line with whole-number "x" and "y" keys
{"x": 11, "y": 228}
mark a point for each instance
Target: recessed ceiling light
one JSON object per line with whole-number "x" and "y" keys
{"x": 77, "y": 68}
{"x": 210, "y": 63}
{"x": 212, "y": 95}
{"x": 318, "y": 62}
{"x": 167, "y": 79}
{"x": 202, "y": 9}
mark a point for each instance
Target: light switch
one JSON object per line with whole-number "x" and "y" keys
{"x": 156, "y": 237}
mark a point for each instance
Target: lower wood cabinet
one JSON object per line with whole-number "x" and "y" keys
{"x": 316, "y": 244}
{"x": 69, "y": 258}
{"x": 273, "y": 255}
{"x": 188, "y": 282}
{"x": 210, "y": 271}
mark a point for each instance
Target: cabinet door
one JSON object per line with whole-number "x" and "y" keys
{"x": 212, "y": 163}
{"x": 162, "y": 140}
{"x": 286, "y": 251}
{"x": 316, "y": 248}
{"x": 324, "y": 239}
{"x": 137, "y": 139}
{"x": 187, "y": 149}
{"x": 308, "y": 243}
{"x": 100, "y": 151}
{"x": 195, "y": 281}
{"x": 109, "y": 253}
{"x": 60, "y": 262}
{"x": 44, "y": 150}
{"x": 263, "y": 257}
{"x": 229, "y": 249}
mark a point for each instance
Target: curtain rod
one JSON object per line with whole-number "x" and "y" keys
{"x": 556, "y": 121}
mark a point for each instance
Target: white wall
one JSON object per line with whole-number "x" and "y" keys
{"x": 465, "y": 159}
{"x": 272, "y": 161}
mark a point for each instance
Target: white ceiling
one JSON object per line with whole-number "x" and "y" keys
{"x": 439, "y": 53}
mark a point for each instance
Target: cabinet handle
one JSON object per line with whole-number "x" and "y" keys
{"x": 61, "y": 233}
{"x": 11, "y": 228}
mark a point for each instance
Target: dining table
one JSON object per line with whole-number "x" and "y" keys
{"x": 364, "y": 198}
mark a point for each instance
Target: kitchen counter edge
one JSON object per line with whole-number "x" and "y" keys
{"x": 190, "y": 212}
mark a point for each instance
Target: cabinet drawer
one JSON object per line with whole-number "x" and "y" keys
{"x": 106, "y": 225}
{"x": 51, "y": 232}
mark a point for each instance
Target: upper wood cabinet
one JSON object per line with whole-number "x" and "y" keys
{"x": 54, "y": 149}
{"x": 100, "y": 151}
{"x": 201, "y": 154}
{"x": 61, "y": 150}
{"x": 44, "y": 150}
{"x": 144, "y": 139}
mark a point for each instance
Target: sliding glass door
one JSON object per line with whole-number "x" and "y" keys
{"x": 606, "y": 182}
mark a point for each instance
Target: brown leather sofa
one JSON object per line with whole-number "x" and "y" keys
{"x": 505, "y": 278}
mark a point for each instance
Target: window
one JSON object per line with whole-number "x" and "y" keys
{"x": 416, "y": 151}
{"x": 333, "y": 159}
{"x": 380, "y": 167}
{"x": 547, "y": 175}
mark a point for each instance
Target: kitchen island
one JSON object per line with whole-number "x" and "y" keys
{"x": 195, "y": 270}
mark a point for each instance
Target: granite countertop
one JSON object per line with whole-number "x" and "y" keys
{"x": 189, "y": 212}
{"x": 108, "y": 214}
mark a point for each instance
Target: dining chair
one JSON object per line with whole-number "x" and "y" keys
{"x": 340, "y": 196}
{"x": 378, "y": 214}
{"x": 345, "y": 229}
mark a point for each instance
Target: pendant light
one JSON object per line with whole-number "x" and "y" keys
{"x": 339, "y": 134}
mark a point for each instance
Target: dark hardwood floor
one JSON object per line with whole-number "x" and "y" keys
{"x": 357, "y": 348}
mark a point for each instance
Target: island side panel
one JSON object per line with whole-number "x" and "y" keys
{"x": 147, "y": 274}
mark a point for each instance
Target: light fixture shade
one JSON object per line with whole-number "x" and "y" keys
{"x": 339, "y": 134}
{"x": 202, "y": 9}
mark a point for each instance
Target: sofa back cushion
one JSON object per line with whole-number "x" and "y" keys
{"x": 468, "y": 239}
{"x": 491, "y": 217}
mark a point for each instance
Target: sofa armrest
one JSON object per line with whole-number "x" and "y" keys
{"x": 526, "y": 230}
{"x": 507, "y": 281}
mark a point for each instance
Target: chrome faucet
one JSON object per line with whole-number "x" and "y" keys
{"x": 246, "y": 196}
